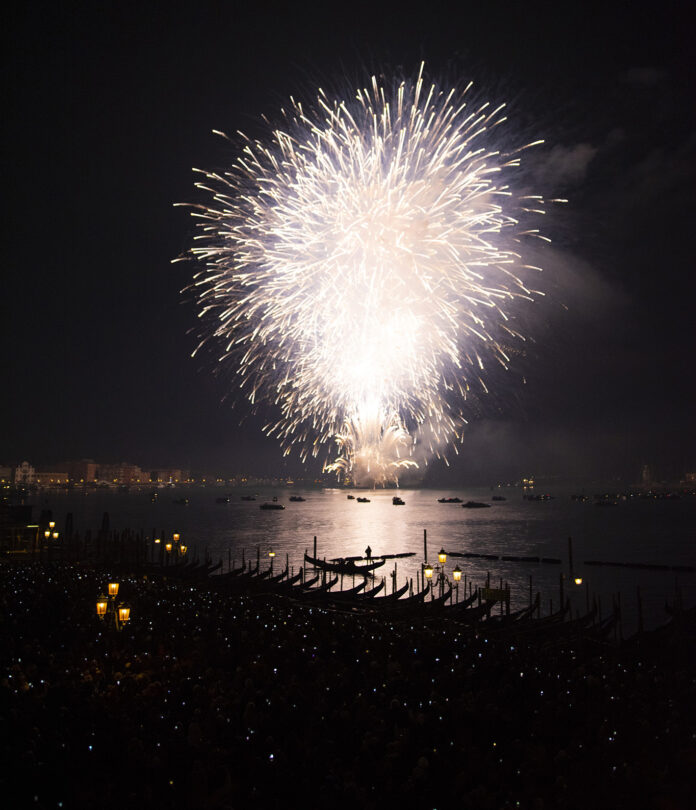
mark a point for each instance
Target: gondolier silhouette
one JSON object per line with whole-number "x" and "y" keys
{"x": 368, "y": 553}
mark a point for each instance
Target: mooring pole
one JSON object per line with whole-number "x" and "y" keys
{"x": 315, "y": 547}
{"x": 425, "y": 545}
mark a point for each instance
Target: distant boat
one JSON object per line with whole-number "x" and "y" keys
{"x": 449, "y": 500}
{"x": 350, "y": 497}
{"x": 396, "y": 501}
{"x": 498, "y": 498}
{"x": 297, "y": 499}
{"x": 271, "y": 506}
{"x": 363, "y": 500}
{"x": 475, "y": 505}
{"x": 222, "y": 500}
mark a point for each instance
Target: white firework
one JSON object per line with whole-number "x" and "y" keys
{"x": 362, "y": 267}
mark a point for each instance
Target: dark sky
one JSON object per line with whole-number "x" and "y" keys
{"x": 107, "y": 106}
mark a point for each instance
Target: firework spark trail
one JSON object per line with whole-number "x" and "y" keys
{"x": 361, "y": 270}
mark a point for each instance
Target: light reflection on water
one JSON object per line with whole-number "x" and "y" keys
{"x": 636, "y": 531}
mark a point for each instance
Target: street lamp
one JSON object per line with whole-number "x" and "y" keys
{"x": 441, "y": 578}
{"x": 271, "y": 554}
{"x": 107, "y": 607}
{"x": 457, "y": 575}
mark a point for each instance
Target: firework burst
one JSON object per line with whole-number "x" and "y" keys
{"x": 361, "y": 270}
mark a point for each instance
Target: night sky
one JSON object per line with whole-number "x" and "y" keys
{"x": 108, "y": 106}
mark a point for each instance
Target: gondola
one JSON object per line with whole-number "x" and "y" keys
{"x": 310, "y": 593}
{"x": 388, "y": 598}
{"x": 345, "y": 567}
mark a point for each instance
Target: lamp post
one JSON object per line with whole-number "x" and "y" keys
{"x": 271, "y": 554}
{"x": 441, "y": 579}
{"x": 457, "y": 575}
{"x": 108, "y": 609}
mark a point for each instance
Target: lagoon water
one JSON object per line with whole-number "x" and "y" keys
{"x": 635, "y": 531}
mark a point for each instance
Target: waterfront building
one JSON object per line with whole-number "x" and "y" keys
{"x": 166, "y": 475}
{"x": 48, "y": 478}
{"x": 82, "y": 471}
{"x": 24, "y": 473}
{"x": 122, "y": 474}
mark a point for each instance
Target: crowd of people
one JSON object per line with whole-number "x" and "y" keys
{"x": 207, "y": 699}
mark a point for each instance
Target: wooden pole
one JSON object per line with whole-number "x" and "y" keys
{"x": 315, "y": 547}
{"x": 425, "y": 545}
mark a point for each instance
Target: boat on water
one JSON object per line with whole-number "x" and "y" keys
{"x": 344, "y": 566}
{"x": 297, "y": 499}
{"x": 222, "y": 500}
{"x": 396, "y": 501}
{"x": 350, "y": 497}
{"x": 363, "y": 500}
{"x": 449, "y": 500}
{"x": 271, "y": 506}
{"x": 499, "y": 498}
{"x": 475, "y": 505}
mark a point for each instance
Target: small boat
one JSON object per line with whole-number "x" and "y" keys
{"x": 396, "y": 501}
{"x": 475, "y": 505}
{"x": 343, "y": 566}
{"x": 449, "y": 500}
{"x": 297, "y": 499}
{"x": 350, "y": 497}
{"x": 248, "y": 498}
{"x": 271, "y": 506}
{"x": 363, "y": 500}
{"x": 222, "y": 500}
{"x": 498, "y": 498}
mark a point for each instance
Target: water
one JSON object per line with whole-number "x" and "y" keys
{"x": 635, "y": 531}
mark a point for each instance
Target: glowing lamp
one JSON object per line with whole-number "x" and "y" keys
{"x": 183, "y": 548}
{"x": 578, "y": 580}
{"x": 52, "y": 524}
{"x": 113, "y": 589}
{"x": 168, "y": 546}
{"x": 442, "y": 556}
{"x": 457, "y": 574}
{"x": 101, "y": 607}
{"x": 176, "y": 538}
{"x": 56, "y": 535}
{"x": 47, "y": 534}
{"x": 428, "y": 571}
{"x": 271, "y": 554}
{"x": 124, "y": 614}
{"x": 157, "y": 540}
